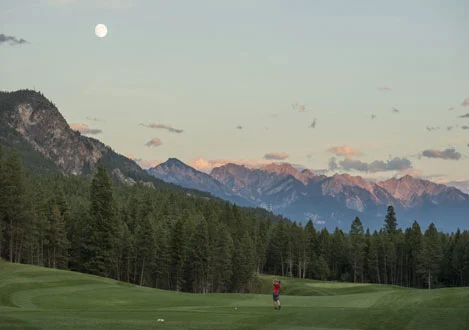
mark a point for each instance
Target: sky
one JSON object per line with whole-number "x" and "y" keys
{"x": 371, "y": 88}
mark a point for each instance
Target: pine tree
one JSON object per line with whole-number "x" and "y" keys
{"x": 101, "y": 236}
{"x": 178, "y": 255}
{"x": 390, "y": 221}
{"x": 431, "y": 255}
{"x": 358, "y": 248}
{"x": 2, "y": 199}
{"x": 16, "y": 207}
{"x": 223, "y": 260}
{"x": 243, "y": 264}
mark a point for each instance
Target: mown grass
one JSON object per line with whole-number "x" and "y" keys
{"x": 38, "y": 298}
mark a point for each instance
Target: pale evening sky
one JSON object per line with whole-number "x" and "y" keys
{"x": 382, "y": 86}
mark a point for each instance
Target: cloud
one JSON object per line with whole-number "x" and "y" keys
{"x": 299, "y": 107}
{"x": 431, "y": 128}
{"x": 313, "y": 124}
{"x": 12, "y": 41}
{"x": 450, "y": 108}
{"x": 332, "y": 164}
{"x": 345, "y": 151}
{"x": 465, "y": 103}
{"x": 395, "y": 110}
{"x": 373, "y": 116}
{"x": 276, "y": 156}
{"x": 384, "y": 89}
{"x": 155, "y": 142}
{"x": 395, "y": 164}
{"x": 94, "y": 119}
{"x": 239, "y": 127}
{"x": 464, "y": 116}
{"x": 84, "y": 129}
{"x": 161, "y": 126}
{"x": 449, "y": 153}
{"x": 464, "y": 127}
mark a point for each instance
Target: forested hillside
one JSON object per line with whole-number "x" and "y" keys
{"x": 177, "y": 241}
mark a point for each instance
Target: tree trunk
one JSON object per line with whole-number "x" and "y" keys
{"x": 429, "y": 278}
{"x": 11, "y": 240}
{"x": 355, "y": 270}
{"x": 141, "y": 275}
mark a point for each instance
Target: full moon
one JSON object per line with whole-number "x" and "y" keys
{"x": 100, "y": 30}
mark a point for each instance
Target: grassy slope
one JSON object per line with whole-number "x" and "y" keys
{"x": 39, "y": 298}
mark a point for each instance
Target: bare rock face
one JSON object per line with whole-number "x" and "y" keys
{"x": 411, "y": 191}
{"x": 330, "y": 201}
{"x": 48, "y": 132}
{"x": 38, "y": 123}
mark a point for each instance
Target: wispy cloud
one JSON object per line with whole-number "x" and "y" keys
{"x": 94, "y": 119}
{"x": 464, "y": 127}
{"x": 384, "y": 89}
{"x": 313, "y": 124}
{"x": 155, "y": 142}
{"x": 432, "y": 128}
{"x": 449, "y": 153}
{"x": 464, "y": 116}
{"x": 84, "y": 129}
{"x": 161, "y": 126}
{"x": 395, "y": 164}
{"x": 299, "y": 107}
{"x": 332, "y": 165}
{"x": 10, "y": 40}
{"x": 465, "y": 103}
{"x": 276, "y": 156}
{"x": 345, "y": 151}
{"x": 395, "y": 110}
{"x": 239, "y": 127}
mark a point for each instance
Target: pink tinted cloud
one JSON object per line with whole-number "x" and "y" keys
{"x": 155, "y": 142}
{"x": 84, "y": 128}
{"x": 345, "y": 151}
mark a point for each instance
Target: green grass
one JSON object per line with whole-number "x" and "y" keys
{"x": 39, "y": 298}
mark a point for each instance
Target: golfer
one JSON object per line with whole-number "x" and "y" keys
{"x": 276, "y": 293}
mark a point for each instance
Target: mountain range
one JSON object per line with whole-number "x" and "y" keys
{"x": 328, "y": 201}
{"x": 33, "y": 126}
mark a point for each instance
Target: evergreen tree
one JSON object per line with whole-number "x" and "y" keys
{"x": 178, "y": 255}
{"x": 358, "y": 248}
{"x": 431, "y": 255}
{"x": 223, "y": 260}
{"x": 101, "y": 236}
{"x": 16, "y": 207}
{"x": 390, "y": 221}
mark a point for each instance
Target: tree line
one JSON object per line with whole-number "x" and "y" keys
{"x": 175, "y": 241}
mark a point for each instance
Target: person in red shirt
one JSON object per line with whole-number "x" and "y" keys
{"x": 276, "y": 293}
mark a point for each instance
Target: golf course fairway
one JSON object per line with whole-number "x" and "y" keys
{"x": 40, "y": 298}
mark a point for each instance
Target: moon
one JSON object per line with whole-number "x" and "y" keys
{"x": 100, "y": 30}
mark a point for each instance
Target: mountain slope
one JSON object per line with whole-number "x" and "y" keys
{"x": 336, "y": 200}
{"x": 176, "y": 172}
{"x": 33, "y": 126}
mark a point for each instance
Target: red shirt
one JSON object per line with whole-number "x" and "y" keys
{"x": 276, "y": 287}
